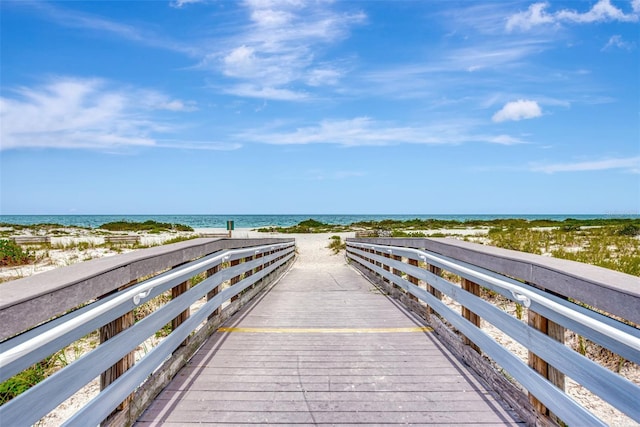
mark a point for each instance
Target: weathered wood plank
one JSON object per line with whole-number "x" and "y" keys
{"x": 122, "y": 239}
{"x": 601, "y": 288}
{"x": 31, "y": 240}
{"x": 31, "y": 300}
{"x": 288, "y": 376}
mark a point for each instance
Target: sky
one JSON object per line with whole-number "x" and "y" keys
{"x": 325, "y": 107}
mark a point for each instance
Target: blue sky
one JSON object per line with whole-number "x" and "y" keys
{"x": 275, "y": 107}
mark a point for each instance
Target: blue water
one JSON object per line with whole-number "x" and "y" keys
{"x": 254, "y": 221}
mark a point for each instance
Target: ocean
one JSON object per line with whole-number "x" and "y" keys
{"x": 255, "y": 221}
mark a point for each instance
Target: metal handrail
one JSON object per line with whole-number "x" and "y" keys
{"x": 38, "y": 343}
{"x": 10, "y": 353}
{"x": 629, "y": 337}
{"x": 623, "y": 339}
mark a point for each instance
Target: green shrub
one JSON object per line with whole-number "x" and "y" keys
{"x": 12, "y": 254}
{"x": 629, "y": 230}
{"x": 149, "y": 226}
{"x": 306, "y": 226}
{"x": 312, "y": 223}
{"x": 400, "y": 233}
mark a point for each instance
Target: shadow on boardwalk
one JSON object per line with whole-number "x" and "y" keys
{"x": 323, "y": 346}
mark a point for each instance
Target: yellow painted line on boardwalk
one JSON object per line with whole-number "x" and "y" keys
{"x": 327, "y": 330}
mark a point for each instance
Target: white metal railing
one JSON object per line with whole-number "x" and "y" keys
{"x": 22, "y": 351}
{"x": 618, "y": 337}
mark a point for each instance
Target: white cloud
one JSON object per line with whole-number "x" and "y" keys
{"x": 271, "y": 18}
{"x": 82, "y": 113}
{"x": 534, "y": 16}
{"x": 364, "y": 131}
{"x": 618, "y": 42}
{"x": 154, "y": 100}
{"x": 261, "y": 92}
{"x": 277, "y": 52}
{"x": 602, "y": 11}
{"x": 323, "y": 76}
{"x": 631, "y": 164}
{"x": 505, "y": 140}
{"x": 178, "y": 4}
{"x": 241, "y": 62}
{"x": 518, "y": 110}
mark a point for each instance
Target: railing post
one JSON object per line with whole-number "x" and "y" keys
{"x": 399, "y": 273}
{"x": 249, "y": 272}
{"x": 235, "y": 279}
{"x": 387, "y": 268}
{"x": 109, "y": 331}
{"x": 555, "y": 331}
{"x": 415, "y": 281}
{"x": 369, "y": 260}
{"x": 472, "y": 317}
{"x": 261, "y": 266}
{"x": 214, "y": 291}
{"x": 175, "y": 293}
{"x": 433, "y": 291}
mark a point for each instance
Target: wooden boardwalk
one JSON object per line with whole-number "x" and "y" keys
{"x": 323, "y": 346}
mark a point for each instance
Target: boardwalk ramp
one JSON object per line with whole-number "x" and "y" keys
{"x": 324, "y": 346}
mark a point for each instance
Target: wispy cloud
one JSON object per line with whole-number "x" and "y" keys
{"x": 447, "y": 73}
{"x": 364, "y": 131}
{"x": 272, "y": 93}
{"x": 88, "y": 113}
{"x": 617, "y": 42}
{"x": 275, "y": 56}
{"x": 518, "y": 110}
{"x": 89, "y": 22}
{"x": 178, "y": 4}
{"x": 629, "y": 164}
{"x": 602, "y": 11}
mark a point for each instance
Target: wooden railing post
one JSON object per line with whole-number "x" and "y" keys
{"x": 214, "y": 291}
{"x": 176, "y": 291}
{"x": 472, "y": 317}
{"x": 387, "y": 268}
{"x": 261, "y": 266}
{"x": 415, "y": 281}
{"x": 555, "y": 331}
{"x": 235, "y": 279}
{"x": 109, "y": 331}
{"x": 369, "y": 260}
{"x": 399, "y": 273}
{"x": 249, "y": 272}
{"x": 433, "y": 291}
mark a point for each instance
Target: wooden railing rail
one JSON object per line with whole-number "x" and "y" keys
{"x": 554, "y": 292}
{"x": 214, "y": 263}
{"x": 29, "y": 301}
